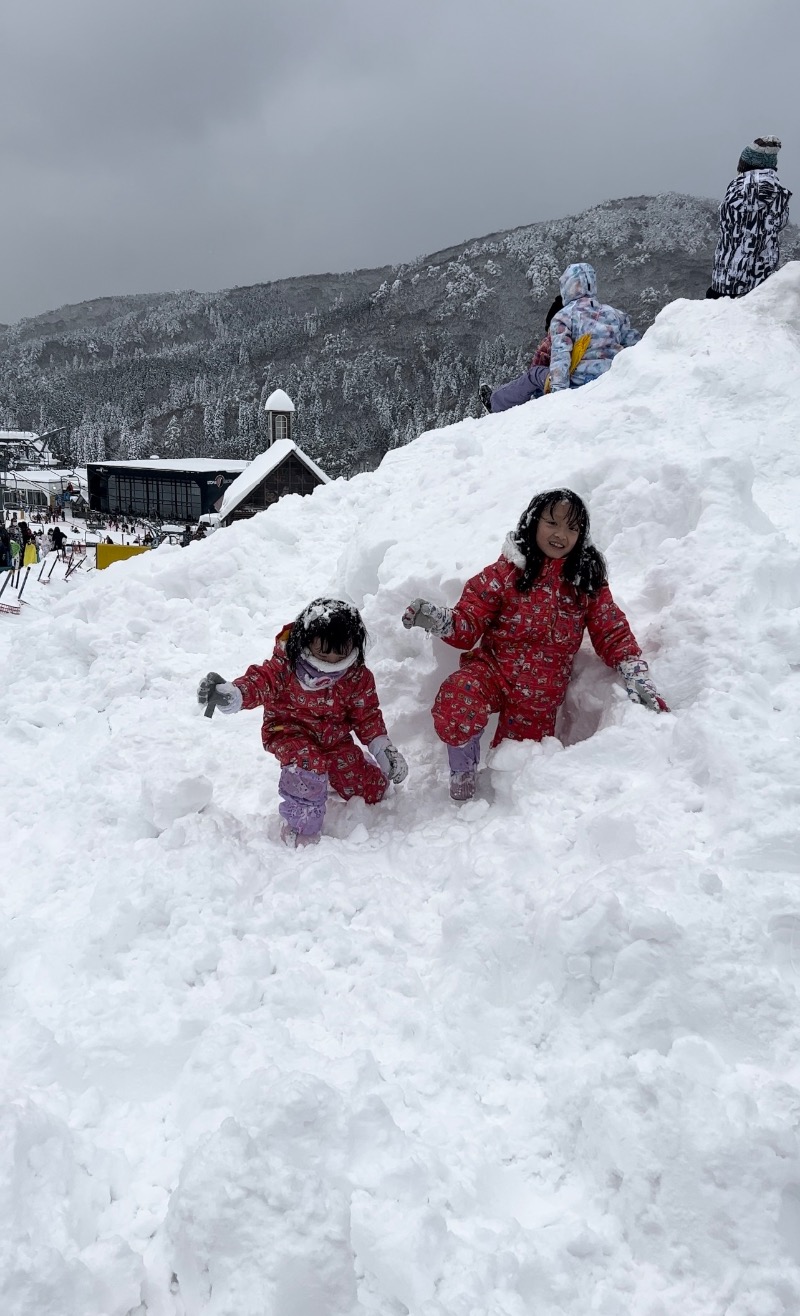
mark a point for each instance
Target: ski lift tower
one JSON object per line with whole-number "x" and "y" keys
{"x": 280, "y": 415}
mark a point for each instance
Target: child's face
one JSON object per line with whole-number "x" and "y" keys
{"x": 555, "y": 537}
{"x": 332, "y": 655}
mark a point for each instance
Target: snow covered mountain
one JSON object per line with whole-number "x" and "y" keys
{"x": 537, "y": 1054}
{"x": 371, "y": 358}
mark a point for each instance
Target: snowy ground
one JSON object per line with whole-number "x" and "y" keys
{"x": 537, "y": 1055}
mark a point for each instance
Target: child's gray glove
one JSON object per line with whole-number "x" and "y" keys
{"x": 215, "y": 692}
{"x": 430, "y": 617}
{"x": 389, "y": 760}
{"x": 641, "y": 689}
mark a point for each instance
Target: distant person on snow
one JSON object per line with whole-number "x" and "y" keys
{"x": 315, "y": 690}
{"x": 585, "y": 336}
{"x": 752, "y": 215}
{"x": 527, "y": 613}
{"x": 27, "y": 545}
{"x": 530, "y": 385}
{"x": 58, "y": 539}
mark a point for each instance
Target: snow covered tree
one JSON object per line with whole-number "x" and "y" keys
{"x": 208, "y": 429}
{"x": 98, "y": 444}
{"x": 129, "y": 443}
{"x": 247, "y": 431}
{"x": 219, "y": 428}
{"x": 172, "y": 442}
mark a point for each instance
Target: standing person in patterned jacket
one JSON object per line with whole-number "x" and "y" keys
{"x": 587, "y": 334}
{"x": 751, "y": 218}
{"x": 527, "y": 613}
{"x": 315, "y": 690}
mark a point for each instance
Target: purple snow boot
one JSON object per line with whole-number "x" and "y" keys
{"x": 303, "y": 798}
{"x": 296, "y": 840}
{"x": 464, "y": 760}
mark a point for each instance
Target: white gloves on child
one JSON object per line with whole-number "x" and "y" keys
{"x": 389, "y": 760}
{"x": 222, "y": 694}
{"x": 430, "y": 617}
{"x": 640, "y": 687}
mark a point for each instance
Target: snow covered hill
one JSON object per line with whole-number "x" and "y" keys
{"x": 370, "y": 358}
{"x": 537, "y": 1054}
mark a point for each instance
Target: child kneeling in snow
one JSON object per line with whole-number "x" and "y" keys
{"x": 314, "y": 690}
{"x": 527, "y": 612}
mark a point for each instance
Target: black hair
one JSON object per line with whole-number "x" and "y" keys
{"x": 584, "y": 565}
{"x": 336, "y": 624}
{"x": 558, "y": 305}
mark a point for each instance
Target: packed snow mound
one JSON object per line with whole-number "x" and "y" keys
{"x": 538, "y": 1054}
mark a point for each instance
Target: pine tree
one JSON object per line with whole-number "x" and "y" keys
{"x": 98, "y": 444}
{"x": 219, "y": 428}
{"x": 246, "y": 431}
{"x": 128, "y": 442}
{"x": 208, "y": 429}
{"x": 173, "y": 438}
{"x": 80, "y": 439}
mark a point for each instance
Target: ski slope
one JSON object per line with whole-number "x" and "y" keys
{"x": 539, "y": 1054}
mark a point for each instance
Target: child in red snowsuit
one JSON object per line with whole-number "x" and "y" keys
{"x": 315, "y": 690}
{"x": 527, "y": 613}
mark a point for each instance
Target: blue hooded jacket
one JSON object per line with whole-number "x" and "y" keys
{"x": 609, "y": 330}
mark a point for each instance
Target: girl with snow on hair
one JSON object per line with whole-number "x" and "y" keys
{"x": 315, "y": 690}
{"x": 527, "y": 613}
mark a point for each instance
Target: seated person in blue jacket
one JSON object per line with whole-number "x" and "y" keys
{"x": 585, "y": 336}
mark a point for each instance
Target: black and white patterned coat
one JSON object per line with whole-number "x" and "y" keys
{"x": 751, "y": 217}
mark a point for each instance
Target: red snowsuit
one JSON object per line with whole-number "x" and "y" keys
{"x": 310, "y": 729}
{"x": 522, "y": 666}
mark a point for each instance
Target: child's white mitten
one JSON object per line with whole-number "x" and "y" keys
{"x": 215, "y": 692}
{"x": 429, "y": 616}
{"x": 388, "y": 758}
{"x": 639, "y": 685}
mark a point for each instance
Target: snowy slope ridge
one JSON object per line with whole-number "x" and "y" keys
{"x": 539, "y": 1054}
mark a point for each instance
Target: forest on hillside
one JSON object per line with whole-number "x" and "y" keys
{"x": 371, "y": 358}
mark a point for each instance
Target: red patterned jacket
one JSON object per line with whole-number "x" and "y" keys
{"x": 323, "y": 717}
{"x": 528, "y": 641}
{"x": 541, "y": 356}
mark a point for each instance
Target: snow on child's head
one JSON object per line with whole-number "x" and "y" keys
{"x": 555, "y": 525}
{"x": 330, "y": 629}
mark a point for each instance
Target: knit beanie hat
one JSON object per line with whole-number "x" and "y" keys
{"x": 763, "y": 154}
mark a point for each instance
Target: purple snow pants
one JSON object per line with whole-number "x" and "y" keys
{"x": 303, "y": 798}
{"x": 463, "y": 757}
{"x": 522, "y": 389}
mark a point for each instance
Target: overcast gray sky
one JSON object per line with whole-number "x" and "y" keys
{"x": 159, "y": 144}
